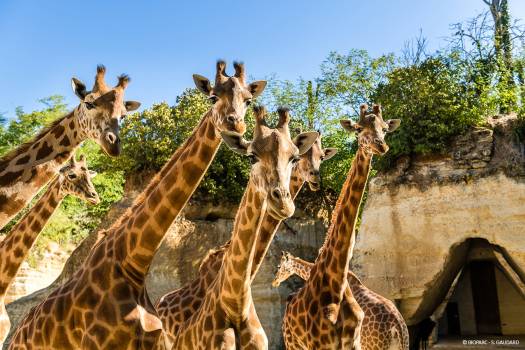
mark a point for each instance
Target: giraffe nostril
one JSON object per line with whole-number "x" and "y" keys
{"x": 111, "y": 137}
{"x": 230, "y": 119}
{"x": 276, "y": 194}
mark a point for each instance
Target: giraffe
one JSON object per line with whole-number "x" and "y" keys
{"x": 29, "y": 167}
{"x": 226, "y": 315}
{"x": 383, "y": 325}
{"x": 315, "y": 318}
{"x": 177, "y": 306}
{"x": 73, "y": 179}
{"x": 105, "y": 304}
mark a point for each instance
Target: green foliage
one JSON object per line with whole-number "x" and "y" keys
{"x": 26, "y": 125}
{"x": 350, "y": 80}
{"x": 433, "y": 102}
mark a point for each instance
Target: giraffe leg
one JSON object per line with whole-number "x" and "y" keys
{"x": 229, "y": 340}
{"x": 353, "y": 316}
{"x": 331, "y": 312}
{"x": 252, "y": 336}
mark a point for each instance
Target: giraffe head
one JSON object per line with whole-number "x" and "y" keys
{"x": 284, "y": 270}
{"x": 273, "y": 153}
{"x": 310, "y": 163}
{"x": 371, "y": 129}
{"x": 101, "y": 109}
{"x": 230, "y": 95}
{"x": 76, "y": 180}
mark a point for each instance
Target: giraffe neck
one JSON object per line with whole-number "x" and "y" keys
{"x": 301, "y": 267}
{"x": 15, "y": 247}
{"x": 270, "y": 225}
{"x": 332, "y": 264}
{"x": 141, "y": 230}
{"x": 52, "y": 147}
{"x": 235, "y": 275}
{"x": 25, "y": 170}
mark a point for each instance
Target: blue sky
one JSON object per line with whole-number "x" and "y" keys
{"x": 161, "y": 43}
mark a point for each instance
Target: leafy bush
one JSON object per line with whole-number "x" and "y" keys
{"x": 434, "y": 103}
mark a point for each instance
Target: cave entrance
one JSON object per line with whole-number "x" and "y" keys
{"x": 474, "y": 306}
{"x": 481, "y": 292}
{"x": 487, "y": 296}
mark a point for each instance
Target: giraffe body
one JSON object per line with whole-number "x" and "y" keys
{"x": 315, "y": 316}
{"x": 104, "y": 305}
{"x": 383, "y": 325}
{"x": 227, "y": 310}
{"x": 177, "y": 306}
{"x": 29, "y": 167}
{"x": 73, "y": 179}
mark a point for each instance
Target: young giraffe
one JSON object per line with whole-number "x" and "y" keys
{"x": 314, "y": 316}
{"x": 383, "y": 326}
{"x": 227, "y": 315}
{"x": 105, "y": 305}
{"x": 177, "y": 306}
{"x": 29, "y": 167}
{"x": 73, "y": 179}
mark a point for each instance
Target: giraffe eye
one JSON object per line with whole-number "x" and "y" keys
{"x": 72, "y": 176}
{"x": 89, "y": 105}
{"x": 248, "y": 101}
{"x": 213, "y": 99}
{"x": 253, "y": 158}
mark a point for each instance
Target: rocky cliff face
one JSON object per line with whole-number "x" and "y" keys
{"x": 418, "y": 217}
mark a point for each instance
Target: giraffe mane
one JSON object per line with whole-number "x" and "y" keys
{"x": 9, "y": 156}
{"x": 333, "y": 220}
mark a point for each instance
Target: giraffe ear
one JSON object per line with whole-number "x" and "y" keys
{"x": 305, "y": 140}
{"x": 257, "y": 87}
{"x": 131, "y": 105}
{"x": 349, "y": 125}
{"x": 79, "y": 88}
{"x": 203, "y": 84}
{"x": 329, "y": 153}
{"x": 236, "y": 142}
{"x": 393, "y": 124}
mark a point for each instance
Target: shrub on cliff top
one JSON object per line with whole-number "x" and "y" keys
{"x": 434, "y": 102}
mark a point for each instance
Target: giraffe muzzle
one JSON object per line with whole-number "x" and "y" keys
{"x": 235, "y": 124}
{"x": 280, "y": 204}
{"x": 111, "y": 144}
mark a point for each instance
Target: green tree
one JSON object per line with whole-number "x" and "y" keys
{"x": 25, "y": 125}
{"x": 433, "y": 103}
